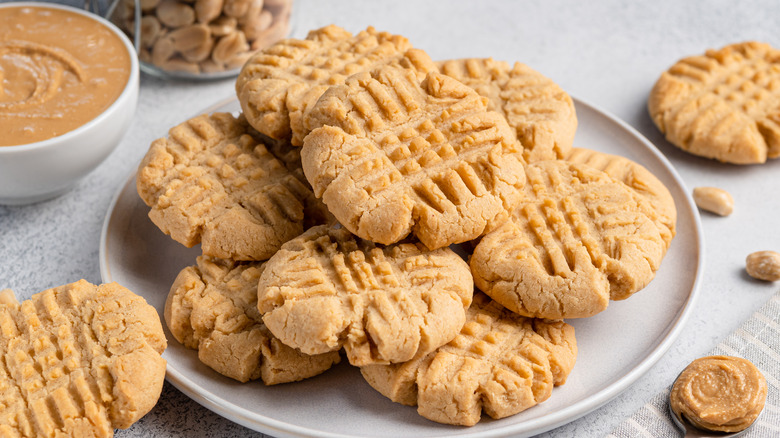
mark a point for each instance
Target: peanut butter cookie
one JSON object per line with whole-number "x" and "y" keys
{"x": 211, "y": 182}
{"x": 279, "y": 84}
{"x": 390, "y": 155}
{"x": 638, "y": 178}
{"x": 212, "y": 307}
{"x": 326, "y": 289}
{"x": 78, "y": 360}
{"x": 578, "y": 239}
{"x": 724, "y": 104}
{"x": 541, "y": 113}
{"x": 501, "y": 362}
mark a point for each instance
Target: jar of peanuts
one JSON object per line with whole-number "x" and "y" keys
{"x": 201, "y": 39}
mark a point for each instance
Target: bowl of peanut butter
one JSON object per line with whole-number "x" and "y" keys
{"x": 68, "y": 92}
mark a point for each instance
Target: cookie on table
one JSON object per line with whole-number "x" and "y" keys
{"x": 724, "y": 104}
{"x": 638, "y": 178}
{"x": 326, "y": 289}
{"x": 280, "y": 83}
{"x": 390, "y": 155}
{"x": 541, "y": 113}
{"x": 211, "y": 182}
{"x": 78, "y": 360}
{"x": 501, "y": 362}
{"x": 579, "y": 239}
{"x": 212, "y": 308}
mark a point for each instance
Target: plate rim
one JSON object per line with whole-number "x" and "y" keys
{"x": 278, "y": 428}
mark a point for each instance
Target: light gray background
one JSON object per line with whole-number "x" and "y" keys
{"x": 605, "y": 52}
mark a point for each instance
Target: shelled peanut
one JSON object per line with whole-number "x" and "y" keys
{"x": 204, "y": 36}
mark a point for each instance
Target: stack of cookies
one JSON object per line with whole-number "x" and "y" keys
{"x": 330, "y": 211}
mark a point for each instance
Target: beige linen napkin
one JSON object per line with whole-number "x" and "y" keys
{"x": 757, "y": 340}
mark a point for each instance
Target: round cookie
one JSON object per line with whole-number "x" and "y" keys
{"x": 212, "y": 182}
{"x": 326, "y": 289}
{"x": 579, "y": 239}
{"x": 724, "y": 104}
{"x": 390, "y": 155}
{"x": 638, "y": 178}
{"x": 501, "y": 362}
{"x": 541, "y": 113}
{"x": 212, "y": 307}
{"x": 78, "y": 360}
{"x": 279, "y": 84}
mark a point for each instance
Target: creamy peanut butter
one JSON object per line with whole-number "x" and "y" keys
{"x": 719, "y": 393}
{"x": 58, "y": 71}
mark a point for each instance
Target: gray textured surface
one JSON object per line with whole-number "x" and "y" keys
{"x": 606, "y": 52}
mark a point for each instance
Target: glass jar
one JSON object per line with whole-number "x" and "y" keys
{"x": 200, "y": 39}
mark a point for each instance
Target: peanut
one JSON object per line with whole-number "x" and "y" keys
{"x": 253, "y": 11}
{"x": 236, "y": 8}
{"x": 124, "y": 15}
{"x": 145, "y": 55}
{"x": 269, "y": 36}
{"x": 162, "y": 50}
{"x": 223, "y": 26}
{"x": 150, "y": 30}
{"x": 209, "y": 66}
{"x": 200, "y": 53}
{"x": 763, "y": 265}
{"x": 148, "y": 5}
{"x": 276, "y": 7}
{"x": 174, "y": 14}
{"x": 229, "y": 46}
{"x": 208, "y": 10}
{"x": 255, "y": 26}
{"x": 190, "y": 37}
{"x": 178, "y": 64}
{"x": 714, "y": 200}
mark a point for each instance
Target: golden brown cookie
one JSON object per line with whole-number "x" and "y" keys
{"x": 724, "y": 104}
{"x": 578, "y": 239}
{"x": 212, "y": 308}
{"x": 326, "y": 289}
{"x": 78, "y": 360}
{"x": 391, "y": 155}
{"x": 211, "y": 182}
{"x": 278, "y": 85}
{"x": 638, "y": 178}
{"x": 541, "y": 113}
{"x": 501, "y": 362}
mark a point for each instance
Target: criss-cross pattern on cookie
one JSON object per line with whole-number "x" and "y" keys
{"x": 326, "y": 289}
{"x": 500, "y": 362}
{"x": 213, "y": 183}
{"x": 639, "y": 179}
{"x": 578, "y": 239}
{"x": 724, "y": 104}
{"x": 278, "y": 85}
{"x": 541, "y": 113}
{"x": 390, "y": 155}
{"x": 78, "y": 360}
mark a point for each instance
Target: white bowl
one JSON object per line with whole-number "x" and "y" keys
{"x": 42, "y": 170}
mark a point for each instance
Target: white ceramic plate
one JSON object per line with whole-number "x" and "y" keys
{"x": 615, "y": 347}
